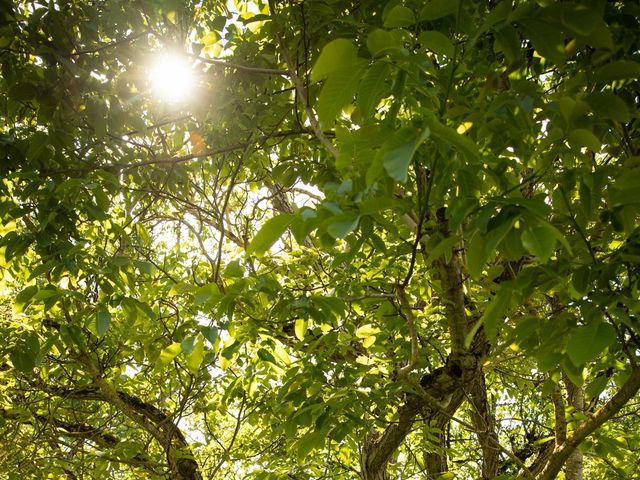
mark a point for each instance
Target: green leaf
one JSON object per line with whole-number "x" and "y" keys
{"x": 373, "y": 87}
{"x": 338, "y": 90}
{"x": 448, "y": 135}
{"x": 581, "y": 137}
{"x": 581, "y": 19}
{"x": 300, "y": 328}
{"x": 266, "y": 356}
{"x": 476, "y": 255}
{"x": 607, "y": 105}
{"x": 367, "y": 330}
{"x": 539, "y": 241}
{"x": 580, "y": 279}
{"x": 96, "y": 118}
{"x": 187, "y": 344}
{"x": 197, "y": 355}
{"x": 575, "y": 373}
{"x": 206, "y": 294}
{"x": 167, "y": 355}
{"x": 494, "y": 314}
{"x": 617, "y": 70}
{"x": 24, "y": 354}
{"x": 73, "y": 337}
{"x": 270, "y": 232}
{"x": 343, "y": 225}
{"x": 23, "y": 298}
{"x": 399, "y": 16}
{"x": 546, "y": 38}
{"x": 397, "y": 158}
{"x": 625, "y": 188}
{"x": 382, "y": 42}
{"x": 508, "y": 42}
{"x": 234, "y": 270}
{"x": 336, "y": 55}
{"x": 22, "y": 359}
{"x": 309, "y": 442}
{"x": 281, "y": 354}
{"x": 587, "y": 342}
{"x": 482, "y": 246}
{"x": 436, "y": 42}
{"x": 597, "y": 386}
{"x": 435, "y": 9}
{"x": 442, "y": 247}
{"x": 103, "y": 320}
{"x": 37, "y": 145}
{"x": 210, "y": 333}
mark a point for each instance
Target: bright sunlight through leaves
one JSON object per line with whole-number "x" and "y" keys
{"x": 172, "y": 78}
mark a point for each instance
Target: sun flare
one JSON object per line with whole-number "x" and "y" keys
{"x": 172, "y": 78}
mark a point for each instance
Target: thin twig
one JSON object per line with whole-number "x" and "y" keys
{"x": 237, "y": 66}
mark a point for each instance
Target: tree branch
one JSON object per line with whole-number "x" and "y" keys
{"x": 152, "y": 420}
{"x": 408, "y": 313}
{"x": 591, "y": 424}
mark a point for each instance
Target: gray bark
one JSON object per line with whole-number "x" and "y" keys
{"x": 575, "y": 398}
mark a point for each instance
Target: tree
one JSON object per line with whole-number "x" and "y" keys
{"x": 375, "y": 240}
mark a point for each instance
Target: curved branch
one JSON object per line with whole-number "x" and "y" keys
{"x": 151, "y": 419}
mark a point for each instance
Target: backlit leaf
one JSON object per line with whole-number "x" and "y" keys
{"x": 399, "y": 16}
{"x": 366, "y": 330}
{"x": 300, "y": 328}
{"x": 270, "y": 232}
{"x": 539, "y": 241}
{"x": 436, "y": 42}
{"x": 587, "y": 342}
{"x": 336, "y": 55}
{"x": 103, "y": 320}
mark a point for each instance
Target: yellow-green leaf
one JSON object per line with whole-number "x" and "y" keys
{"x": 300, "y": 328}
{"x": 370, "y": 340}
{"x": 195, "y": 359}
{"x": 366, "y": 330}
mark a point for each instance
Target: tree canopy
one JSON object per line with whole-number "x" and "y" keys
{"x": 366, "y": 239}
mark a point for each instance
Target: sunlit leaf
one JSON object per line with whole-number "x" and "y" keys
{"x": 336, "y": 55}
{"x": 270, "y": 232}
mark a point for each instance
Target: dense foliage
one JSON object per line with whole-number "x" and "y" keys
{"x": 375, "y": 240}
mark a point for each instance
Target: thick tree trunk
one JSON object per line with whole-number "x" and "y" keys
{"x": 484, "y": 422}
{"x": 435, "y": 460}
{"x": 442, "y": 393}
{"x": 575, "y": 398}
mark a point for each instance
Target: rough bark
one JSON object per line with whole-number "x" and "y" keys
{"x": 559, "y": 414}
{"x": 485, "y": 425}
{"x": 438, "y": 389}
{"x": 436, "y": 459}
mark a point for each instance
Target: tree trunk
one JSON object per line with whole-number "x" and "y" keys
{"x": 445, "y": 386}
{"x": 484, "y": 422}
{"x": 575, "y": 398}
{"x": 436, "y": 460}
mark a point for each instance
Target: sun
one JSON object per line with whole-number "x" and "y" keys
{"x": 172, "y": 78}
